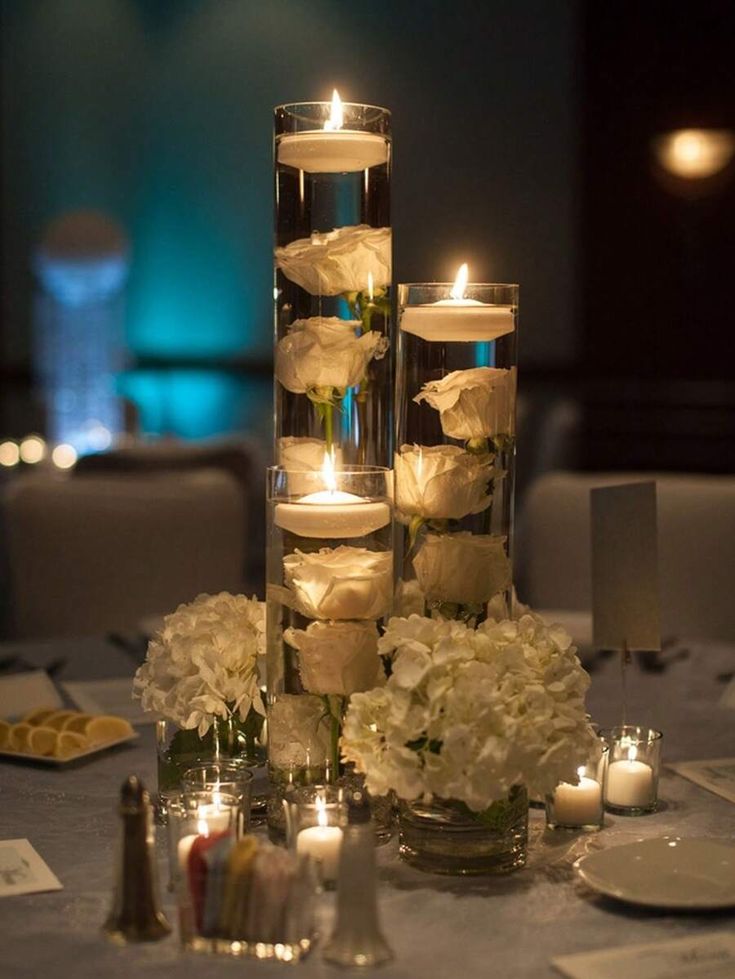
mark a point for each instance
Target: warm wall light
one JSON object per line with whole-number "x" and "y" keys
{"x": 32, "y": 449}
{"x": 9, "y": 454}
{"x": 64, "y": 456}
{"x": 694, "y": 154}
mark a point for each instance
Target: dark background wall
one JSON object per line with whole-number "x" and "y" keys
{"x": 159, "y": 113}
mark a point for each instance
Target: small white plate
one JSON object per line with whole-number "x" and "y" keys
{"x": 668, "y": 872}
{"x": 63, "y": 762}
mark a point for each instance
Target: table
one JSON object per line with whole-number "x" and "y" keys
{"x": 437, "y": 926}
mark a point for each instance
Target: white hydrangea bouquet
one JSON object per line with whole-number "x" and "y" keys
{"x": 201, "y": 673}
{"x": 469, "y": 715}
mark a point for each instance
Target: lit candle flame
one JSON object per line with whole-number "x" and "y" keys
{"x": 370, "y": 286}
{"x": 202, "y": 825}
{"x": 328, "y": 472}
{"x": 336, "y": 116}
{"x": 632, "y": 753}
{"x": 321, "y": 812}
{"x": 581, "y": 771}
{"x": 460, "y": 283}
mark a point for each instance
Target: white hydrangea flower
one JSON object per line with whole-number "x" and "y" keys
{"x": 441, "y": 481}
{"x": 475, "y": 403}
{"x": 338, "y": 261}
{"x": 325, "y": 352}
{"x": 337, "y": 657}
{"x": 340, "y": 582}
{"x": 467, "y": 714}
{"x": 204, "y": 662}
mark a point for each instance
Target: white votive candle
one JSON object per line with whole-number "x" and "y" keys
{"x": 629, "y": 784}
{"x": 323, "y": 844}
{"x": 332, "y": 514}
{"x": 578, "y": 805}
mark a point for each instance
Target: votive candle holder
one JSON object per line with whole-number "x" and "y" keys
{"x": 632, "y": 768}
{"x": 580, "y": 806}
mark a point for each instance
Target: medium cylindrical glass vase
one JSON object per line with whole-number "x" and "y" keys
{"x": 333, "y": 361}
{"x": 330, "y": 584}
{"x": 455, "y": 447}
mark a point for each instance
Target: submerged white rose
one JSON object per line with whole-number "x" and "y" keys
{"x": 337, "y": 657}
{"x": 441, "y": 481}
{"x": 341, "y": 582}
{"x": 324, "y": 351}
{"x": 408, "y": 598}
{"x": 464, "y": 568}
{"x": 475, "y": 403}
{"x": 298, "y": 732}
{"x": 338, "y": 261}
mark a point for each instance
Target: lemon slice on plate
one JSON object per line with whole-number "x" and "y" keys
{"x": 5, "y": 727}
{"x": 18, "y": 739}
{"x": 42, "y": 740}
{"x": 39, "y": 715}
{"x": 56, "y": 720}
{"x": 77, "y": 722}
{"x": 105, "y": 728}
{"x": 69, "y": 743}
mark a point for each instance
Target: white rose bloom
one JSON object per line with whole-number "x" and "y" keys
{"x": 303, "y": 456}
{"x": 338, "y": 261}
{"x": 298, "y": 732}
{"x": 475, "y": 403}
{"x": 324, "y": 351}
{"x": 408, "y": 598}
{"x": 441, "y": 481}
{"x": 337, "y": 657}
{"x": 204, "y": 662}
{"x": 341, "y": 582}
{"x": 463, "y": 567}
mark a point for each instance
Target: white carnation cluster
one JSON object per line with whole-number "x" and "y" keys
{"x": 204, "y": 662}
{"x": 469, "y": 713}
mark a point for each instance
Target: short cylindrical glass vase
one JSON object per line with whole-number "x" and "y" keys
{"x": 446, "y": 837}
{"x": 455, "y": 447}
{"x": 333, "y": 363}
{"x": 579, "y": 806}
{"x": 633, "y": 763}
{"x": 330, "y": 584}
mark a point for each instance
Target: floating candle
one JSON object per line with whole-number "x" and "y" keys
{"x": 458, "y": 319}
{"x": 332, "y": 149}
{"x": 331, "y": 513}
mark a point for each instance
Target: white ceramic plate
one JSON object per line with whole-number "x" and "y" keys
{"x": 668, "y": 872}
{"x": 63, "y": 762}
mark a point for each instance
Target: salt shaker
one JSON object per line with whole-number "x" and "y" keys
{"x": 357, "y": 939}
{"x": 136, "y": 914}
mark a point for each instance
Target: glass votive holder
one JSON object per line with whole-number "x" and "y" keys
{"x": 315, "y": 817}
{"x": 198, "y": 818}
{"x": 632, "y": 767}
{"x": 231, "y": 777}
{"x": 579, "y": 806}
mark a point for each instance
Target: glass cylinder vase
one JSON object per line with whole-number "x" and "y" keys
{"x": 330, "y": 584}
{"x": 455, "y": 447}
{"x": 446, "y": 837}
{"x": 333, "y": 362}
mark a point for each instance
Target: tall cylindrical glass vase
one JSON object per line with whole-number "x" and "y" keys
{"x": 455, "y": 447}
{"x": 333, "y": 360}
{"x": 330, "y": 583}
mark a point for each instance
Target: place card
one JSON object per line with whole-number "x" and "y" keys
{"x": 109, "y": 697}
{"x": 22, "y": 871}
{"x": 624, "y": 539}
{"x": 711, "y": 956}
{"x": 23, "y": 692}
{"x": 717, "y": 775}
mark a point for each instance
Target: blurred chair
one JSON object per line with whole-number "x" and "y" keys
{"x": 696, "y": 531}
{"x": 239, "y": 458}
{"x": 91, "y": 555}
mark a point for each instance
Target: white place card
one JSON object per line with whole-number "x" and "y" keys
{"x": 23, "y": 692}
{"x": 109, "y": 697}
{"x": 624, "y": 539}
{"x": 717, "y": 775}
{"x": 710, "y": 956}
{"x": 22, "y": 871}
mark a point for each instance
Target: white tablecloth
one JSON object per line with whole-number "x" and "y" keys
{"x": 438, "y": 927}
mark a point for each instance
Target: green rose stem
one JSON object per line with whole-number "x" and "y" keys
{"x": 329, "y": 427}
{"x": 333, "y": 708}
